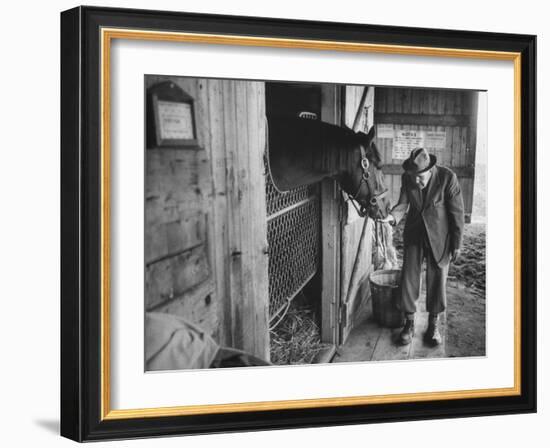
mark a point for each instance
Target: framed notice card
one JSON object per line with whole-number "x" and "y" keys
{"x": 215, "y": 277}
{"x": 173, "y": 115}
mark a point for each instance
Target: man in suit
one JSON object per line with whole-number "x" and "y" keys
{"x": 432, "y": 200}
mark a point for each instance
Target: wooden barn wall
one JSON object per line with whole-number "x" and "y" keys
{"x": 206, "y": 235}
{"x": 449, "y": 111}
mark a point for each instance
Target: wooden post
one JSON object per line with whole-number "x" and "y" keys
{"x": 330, "y": 229}
{"x": 246, "y": 256}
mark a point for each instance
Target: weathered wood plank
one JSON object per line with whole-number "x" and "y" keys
{"x": 440, "y": 102}
{"x": 256, "y": 211}
{"x": 425, "y": 104}
{"x": 330, "y": 242}
{"x": 362, "y": 339}
{"x": 235, "y": 250}
{"x": 459, "y": 99}
{"x": 390, "y": 102}
{"x": 407, "y": 101}
{"x": 456, "y": 147}
{"x": 213, "y": 96}
{"x": 447, "y": 153}
{"x": 449, "y": 102}
{"x": 415, "y": 107}
{"x": 197, "y": 305}
{"x": 171, "y": 277}
{"x": 398, "y": 101}
{"x": 380, "y": 100}
{"x": 165, "y": 239}
{"x": 472, "y": 109}
{"x": 433, "y": 102}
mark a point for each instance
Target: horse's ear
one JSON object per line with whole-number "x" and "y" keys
{"x": 371, "y": 134}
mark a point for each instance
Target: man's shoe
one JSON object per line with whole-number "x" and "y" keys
{"x": 432, "y": 336}
{"x": 407, "y": 334}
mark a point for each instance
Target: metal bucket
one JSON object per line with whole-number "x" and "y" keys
{"x": 385, "y": 290}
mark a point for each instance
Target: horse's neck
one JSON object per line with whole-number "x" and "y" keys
{"x": 302, "y": 152}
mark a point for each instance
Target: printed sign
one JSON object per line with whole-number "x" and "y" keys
{"x": 405, "y": 141}
{"x": 175, "y": 120}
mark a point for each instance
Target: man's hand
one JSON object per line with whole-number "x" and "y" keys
{"x": 388, "y": 218}
{"x": 455, "y": 255}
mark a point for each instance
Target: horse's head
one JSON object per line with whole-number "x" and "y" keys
{"x": 302, "y": 151}
{"x": 364, "y": 180}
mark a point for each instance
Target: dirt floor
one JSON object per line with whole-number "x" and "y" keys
{"x": 465, "y": 314}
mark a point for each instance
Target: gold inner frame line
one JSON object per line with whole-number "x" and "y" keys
{"x": 107, "y": 35}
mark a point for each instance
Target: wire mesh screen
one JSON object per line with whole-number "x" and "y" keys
{"x": 294, "y": 243}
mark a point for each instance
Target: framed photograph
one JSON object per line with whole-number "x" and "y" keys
{"x": 276, "y": 224}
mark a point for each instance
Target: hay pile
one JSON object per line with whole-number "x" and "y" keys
{"x": 297, "y": 339}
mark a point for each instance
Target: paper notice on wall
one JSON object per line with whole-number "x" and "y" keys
{"x": 175, "y": 120}
{"x": 405, "y": 141}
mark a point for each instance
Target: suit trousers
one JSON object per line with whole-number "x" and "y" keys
{"x": 436, "y": 278}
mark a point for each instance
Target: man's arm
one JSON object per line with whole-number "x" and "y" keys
{"x": 402, "y": 206}
{"x": 455, "y": 211}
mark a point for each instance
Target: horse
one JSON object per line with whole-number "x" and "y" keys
{"x": 303, "y": 151}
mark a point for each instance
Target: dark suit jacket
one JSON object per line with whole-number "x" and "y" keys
{"x": 442, "y": 213}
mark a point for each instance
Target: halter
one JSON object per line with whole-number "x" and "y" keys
{"x": 363, "y": 211}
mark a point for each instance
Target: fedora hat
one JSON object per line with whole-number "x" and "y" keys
{"x": 419, "y": 161}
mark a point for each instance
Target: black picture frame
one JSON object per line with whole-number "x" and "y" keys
{"x": 81, "y": 224}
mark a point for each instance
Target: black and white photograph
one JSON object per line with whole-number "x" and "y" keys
{"x": 296, "y": 223}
